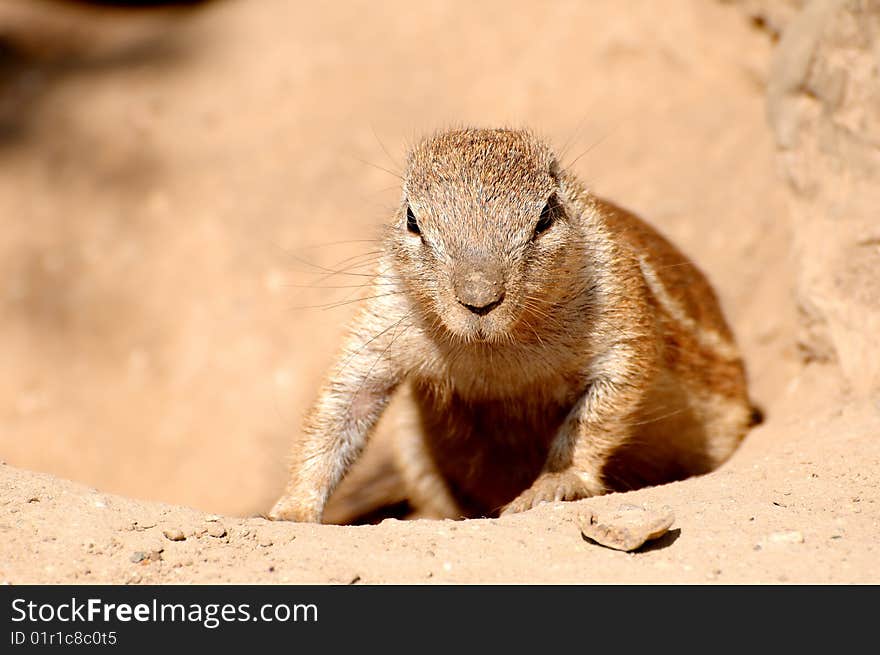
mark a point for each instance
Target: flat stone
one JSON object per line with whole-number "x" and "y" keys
{"x": 628, "y": 528}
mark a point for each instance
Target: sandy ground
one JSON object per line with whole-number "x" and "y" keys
{"x": 169, "y": 182}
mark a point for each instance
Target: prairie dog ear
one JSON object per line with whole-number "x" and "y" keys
{"x": 412, "y": 224}
{"x": 554, "y": 170}
{"x": 548, "y": 216}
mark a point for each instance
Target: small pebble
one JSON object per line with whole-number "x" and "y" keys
{"x": 217, "y": 530}
{"x": 174, "y": 534}
{"x": 791, "y": 537}
{"x": 137, "y": 556}
{"x": 264, "y": 541}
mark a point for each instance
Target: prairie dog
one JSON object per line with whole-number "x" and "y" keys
{"x": 551, "y": 345}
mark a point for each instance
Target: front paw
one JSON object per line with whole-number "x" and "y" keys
{"x": 290, "y": 508}
{"x": 549, "y": 487}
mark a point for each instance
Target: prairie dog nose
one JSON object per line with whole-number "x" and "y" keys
{"x": 479, "y": 290}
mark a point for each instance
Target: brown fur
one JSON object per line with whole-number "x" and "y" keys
{"x": 541, "y": 359}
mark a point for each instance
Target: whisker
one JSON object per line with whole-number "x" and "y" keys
{"x": 379, "y": 357}
{"x": 381, "y": 168}
{"x": 365, "y": 285}
{"x": 384, "y": 149}
{"x": 371, "y": 340}
{"x": 332, "y": 272}
{"x": 574, "y": 135}
{"x": 327, "y": 244}
{"x": 594, "y": 144}
{"x": 342, "y": 303}
{"x": 370, "y": 259}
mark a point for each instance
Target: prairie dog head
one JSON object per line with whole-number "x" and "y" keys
{"x": 483, "y": 236}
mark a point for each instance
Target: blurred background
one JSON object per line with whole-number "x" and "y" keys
{"x": 173, "y": 178}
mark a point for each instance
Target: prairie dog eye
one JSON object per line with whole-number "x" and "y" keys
{"x": 547, "y": 218}
{"x": 412, "y": 225}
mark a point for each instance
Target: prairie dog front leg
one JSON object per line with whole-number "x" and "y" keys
{"x": 349, "y": 405}
{"x": 598, "y": 424}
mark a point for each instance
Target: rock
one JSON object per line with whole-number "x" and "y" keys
{"x": 265, "y": 541}
{"x": 822, "y": 106}
{"x": 790, "y": 537}
{"x": 155, "y": 555}
{"x": 628, "y": 528}
{"x": 143, "y": 557}
{"x": 174, "y": 534}
{"x": 217, "y": 530}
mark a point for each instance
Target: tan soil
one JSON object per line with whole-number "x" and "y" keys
{"x": 169, "y": 177}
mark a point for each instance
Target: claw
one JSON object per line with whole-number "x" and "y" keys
{"x": 551, "y": 487}
{"x": 289, "y": 509}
